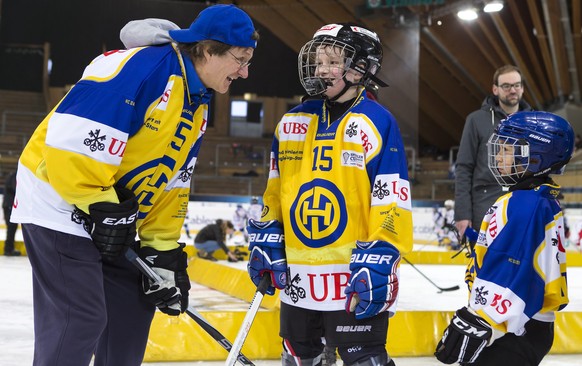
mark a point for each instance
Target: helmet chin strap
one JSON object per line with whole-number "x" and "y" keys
{"x": 347, "y": 86}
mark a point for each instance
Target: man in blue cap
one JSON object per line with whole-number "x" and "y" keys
{"x": 109, "y": 169}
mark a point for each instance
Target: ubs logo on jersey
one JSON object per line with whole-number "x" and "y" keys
{"x": 95, "y": 142}
{"x": 481, "y": 295}
{"x": 318, "y": 214}
{"x": 380, "y": 189}
{"x": 352, "y": 129}
{"x": 186, "y": 174}
{"x": 294, "y": 128}
{"x": 317, "y": 287}
{"x": 366, "y": 142}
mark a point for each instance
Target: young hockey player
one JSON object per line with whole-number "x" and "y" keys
{"x": 338, "y": 189}
{"x": 517, "y": 276}
{"x": 240, "y": 218}
{"x": 449, "y": 229}
{"x": 255, "y": 209}
{"x": 445, "y": 226}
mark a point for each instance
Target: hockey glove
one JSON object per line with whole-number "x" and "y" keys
{"x": 267, "y": 253}
{"x": 463, "y": 340}
{"x": 112, "y": 226}
{"x": 171, "y": 295}
{"x": 373, "y": 285}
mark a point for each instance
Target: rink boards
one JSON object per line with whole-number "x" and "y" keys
{"x": 411, "y": 333}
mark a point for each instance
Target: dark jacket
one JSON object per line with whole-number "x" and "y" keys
{"x": 475, "y": 187}
{"x": 211, "y": 232}
{"x": 9, "y": 191}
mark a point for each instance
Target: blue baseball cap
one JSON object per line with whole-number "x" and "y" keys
{"x": 224, "y": 23}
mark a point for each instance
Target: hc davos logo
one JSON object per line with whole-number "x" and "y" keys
{"x": 318, "y": 214}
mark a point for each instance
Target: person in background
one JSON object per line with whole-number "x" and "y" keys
{"x": 7, "y": 204}
{"x": 337, "y": 193}
{"x": 108, "y": 170}
{"x": 240, "y": 218}
{"x": 475, "y": 186}
{"x": 255, "y": 209}
{"x": 439, "y": 222}
{"x": 449, "y": 228}
{"x": 517, "y": 275}
{"x": 213, "y": 237}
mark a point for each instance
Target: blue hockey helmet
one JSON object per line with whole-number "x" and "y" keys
{"x": 529, "y": 144}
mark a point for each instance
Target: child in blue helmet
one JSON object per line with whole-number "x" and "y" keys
{"x": 517, "y": 274}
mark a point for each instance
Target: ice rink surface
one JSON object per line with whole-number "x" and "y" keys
{"x": 417, "y": 293}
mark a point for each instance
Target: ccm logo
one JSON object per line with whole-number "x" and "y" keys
{"x": 266, "y": 238}
{"x": 123, "y": 221}
{"x": 371, "y": 258}
{"x": 468, "y": 328}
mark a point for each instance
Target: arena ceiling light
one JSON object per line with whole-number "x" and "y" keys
{"x": 469, "y": 13}
{"x": 493, "y": 6}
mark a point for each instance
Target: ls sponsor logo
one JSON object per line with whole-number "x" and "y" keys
{"x": 500, "y": 304}
{"x": 384, "y": 188}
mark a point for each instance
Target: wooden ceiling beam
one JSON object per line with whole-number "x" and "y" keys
{"x": 559, "y": 50}
{"x": 519, "y": 61}
{"x": 487, "y": 54}
{"x": 453, "y": 96}
{"x": 305, "y": 23}
{"x": 576, "y": 17}
{"x": 277, "y": 23}
{"x": 329, "y": 11}
{"x": 444, "y": 126}
{"x": 525, "y": 39}
{"x": 451, "y": 68}
{"x": 494, "y": 41}
{"x": 456, "y": 67}
{"x": 540, "y": 33}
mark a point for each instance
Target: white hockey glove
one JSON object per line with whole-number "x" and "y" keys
{"x": 170, "y": 296}
{"x": 464, "y": 339}
{"x": 373, "y": 285}
{"x": 146, "y": 32}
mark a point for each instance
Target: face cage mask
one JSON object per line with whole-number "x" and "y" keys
{"x": 500, "y": 150}
{"x": 309, "y": 62}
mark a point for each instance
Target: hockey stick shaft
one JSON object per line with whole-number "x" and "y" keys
{"x": 248, "y": 320}
{"x": 132, "y": 256}
{"x": 442, "y": 289}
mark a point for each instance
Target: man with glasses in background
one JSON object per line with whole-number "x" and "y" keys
{"x": 475, "y": 187}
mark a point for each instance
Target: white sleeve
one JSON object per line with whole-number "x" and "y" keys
{"x": 146, "y": 32}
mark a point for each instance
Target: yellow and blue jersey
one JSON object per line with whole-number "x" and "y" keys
{"x": 136, "y": 118}
{"x": 332, "y": 183}
{"x": 518, "y": 269}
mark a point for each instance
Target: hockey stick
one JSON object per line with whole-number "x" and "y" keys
{"x": 441, "y": 289}
{"x": 248, "y": 320}
{"x": 132, "y": 256}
